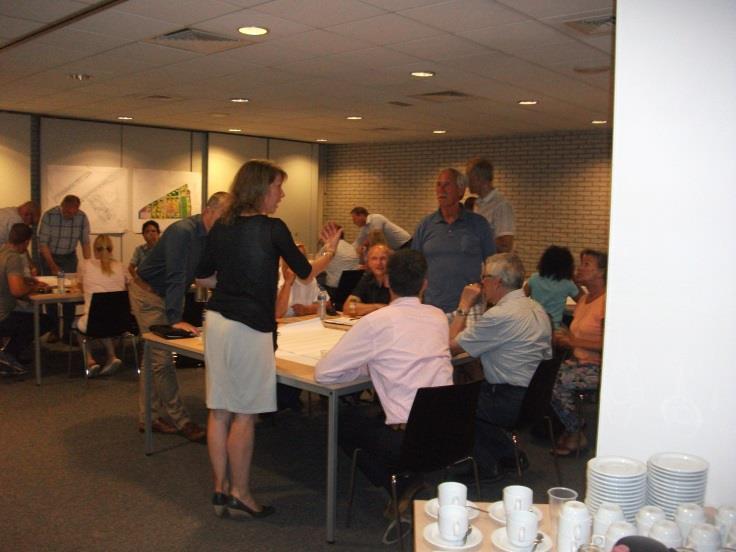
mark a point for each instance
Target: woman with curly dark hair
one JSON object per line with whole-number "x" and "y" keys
{"x": 552, "y": 284}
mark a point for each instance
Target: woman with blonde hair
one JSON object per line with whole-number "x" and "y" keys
{"x": 100, "y": 274}
{"x": 243, "y": 251}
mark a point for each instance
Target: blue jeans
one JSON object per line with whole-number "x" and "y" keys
{"x": 498, "y": 409}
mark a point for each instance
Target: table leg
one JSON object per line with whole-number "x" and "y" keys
{"x": 37, "y": 340}
{"x": 331, "y": 466}
{"x": 148, "y": 381}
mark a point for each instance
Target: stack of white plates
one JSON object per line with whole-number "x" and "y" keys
{"x": 618, "y": 480}
{"x": 675, "y": 478}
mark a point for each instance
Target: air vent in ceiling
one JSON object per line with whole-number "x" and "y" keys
{"x": 443, "y": 96}
{"x": 400, "y": 104}
{"x": 594, "y": 26}
{"x": 158, "y": 98}
{"x": 198, "y": 41}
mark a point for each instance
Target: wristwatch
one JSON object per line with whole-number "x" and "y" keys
{"x": 461, "y": 312}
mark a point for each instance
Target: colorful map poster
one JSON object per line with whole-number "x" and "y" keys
{"x": 165, "y": 196}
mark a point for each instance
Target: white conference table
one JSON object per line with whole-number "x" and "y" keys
{"x": 38, "y": 299}
{"x": 300, "y": 346}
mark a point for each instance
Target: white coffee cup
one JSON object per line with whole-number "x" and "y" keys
{"x": 667, "y": 532}
{"x": 521, "y": 528}
{"x": 517, "y": 497}
{"x": 453, "y": 522}
{"x": 704, "y": 537}
{"x": 725, "y": 519}
{"x": 452, "y": 493}
{"x": 687, "y": 515}
{"x": 618, "y": 530}
{"x": 607, "y": 513}
{"x": 574, "y": 527}
{"x": 648, "y": 516}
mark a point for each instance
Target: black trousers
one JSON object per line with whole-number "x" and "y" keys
{"x": 19, "y": 327}
{"x": 498, "y": 410}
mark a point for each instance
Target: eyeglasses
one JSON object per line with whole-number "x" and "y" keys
{"x": 101, "y": 249}
{"x": 489, "y": 276}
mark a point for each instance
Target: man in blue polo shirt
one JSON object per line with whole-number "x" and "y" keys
{"x": 454, "y": 241}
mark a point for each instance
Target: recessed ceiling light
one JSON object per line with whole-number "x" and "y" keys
{"x": 439, "y": 131}
{"x": 354, "y": 118}
{"x": 218, "y": 115}
{"x": 423, "y": 74}
{"x": 321, "y": 139}
{"x": 79, "y": 76}
{"x": 253, "y": 31}
{"x": 235, "y": 130}
{"x": 528, "y": 102}
{"x": 239, "y": 100}
{"x": 125, "y": 118}
{"x": 598, "y": 122}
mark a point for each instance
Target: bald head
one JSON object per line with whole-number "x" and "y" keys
{"x": 29, "y": 212}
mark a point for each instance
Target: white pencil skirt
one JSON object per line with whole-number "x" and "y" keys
{"x": 240, "y": 367}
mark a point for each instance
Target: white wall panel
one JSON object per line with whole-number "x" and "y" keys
{"x": 15, "y": 159}
{"x": 227, "y": 152}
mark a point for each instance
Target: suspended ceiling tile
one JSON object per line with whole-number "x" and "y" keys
{"x": 320, "y": 14}
{"x": 385, "y": 29}
{"x": 440, "y": 47}
{"x": 181, "y": 12}
{"x": 40, "y": 10}
{"x": 465, "y": 15}
{"x": 540, "y": 9}
{"x": 516, "y": 35}
{"x": 229, "y": 24}
{"x": 127, "y": 26}
{"x": 89, "y": 42}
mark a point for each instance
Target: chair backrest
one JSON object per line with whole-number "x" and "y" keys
{"x": 441, "y": 427}
{"x": 109, "y": 314}
{"x": 348, "y": 280}
{"x": 539, "y": 393}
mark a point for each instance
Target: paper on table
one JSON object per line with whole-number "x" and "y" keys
{"x": 304, "y": 342}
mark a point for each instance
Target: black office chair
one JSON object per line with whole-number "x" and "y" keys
{"x": 109, "y": 316}
{"x": 536, "y": 408}
{"x": 440, "y": 434}
{"x": 348, "y": 280}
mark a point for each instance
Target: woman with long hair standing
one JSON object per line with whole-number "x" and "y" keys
{"x": 243, "y": 252}
{"x": 100, "y": 274}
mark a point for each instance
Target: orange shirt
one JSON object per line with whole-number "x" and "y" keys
{"x": 588, "y": 324}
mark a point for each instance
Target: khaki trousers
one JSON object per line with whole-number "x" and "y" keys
{"x": 149, "y": 309}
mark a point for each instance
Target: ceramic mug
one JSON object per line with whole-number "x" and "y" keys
{"x": 667, "y": 532}
{"x": 517, "y": 497}
{"x": 452, "y": 522}
{"x": 648, "y": 516}
{"x": 687, "y": 515}
{"x": 452, "y": 493}
{"x": 521, "y": 528}
{"x": 725, "y": 519}
{"x": 704, "y": 537}
{"x": 618, "y": 530}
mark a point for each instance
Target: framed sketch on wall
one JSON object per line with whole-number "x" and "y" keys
{"x": 165, "y": 196}
{"x": 102, "y": 190}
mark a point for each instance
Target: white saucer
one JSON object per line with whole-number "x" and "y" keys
{"x": 500, "y": 541}
{"x": 498, "y": 513}
{"x": 433, "y": 537}
{"x": 432, "y": 506}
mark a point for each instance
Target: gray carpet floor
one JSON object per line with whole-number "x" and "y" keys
{"x": 73, "y": 475}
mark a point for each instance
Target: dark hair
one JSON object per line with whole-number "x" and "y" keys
{"x": 71, "y": 200}
{"x": 601, "y": 259}
{"x": 406, "y": 271}
{"x": 150, "y": 223}
{"x": 482, "y": 168}
{"x": 470, "y": 203}
{"x": 19, "y": 233}
{"x": 359, "y": 211}
{"x": 251, "y": 185}
{"x": 557, "y": 263}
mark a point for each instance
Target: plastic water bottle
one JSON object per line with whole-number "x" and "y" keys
{"x": 61, "y": 281}
{"x": 322, "y": 304}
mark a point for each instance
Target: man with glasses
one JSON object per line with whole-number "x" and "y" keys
{"x": 61, "y": 228}
{"x": 511, "y": 339}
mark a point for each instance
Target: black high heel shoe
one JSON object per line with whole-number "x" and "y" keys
{"x": 238, "y": 510}
{"x": 219, "y": 503}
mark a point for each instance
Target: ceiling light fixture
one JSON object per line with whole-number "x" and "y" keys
{"x": 354, "y": 118}
{"x": 598, "y": 122}
{"x": 439, "y": 131}
{"x": 79, "y": 76}
{"x": 423, "y": 74}
{"x": 528, "y": 102}
{"x": 321, "y": 140}
{"x": 253, "y": 31}
{"x": 239, "y": 100}
{"x": 125, "y": 118}
{"x": 235, "y": 130}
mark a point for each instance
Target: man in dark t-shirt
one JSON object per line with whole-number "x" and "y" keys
{"x": 372, "y": 292}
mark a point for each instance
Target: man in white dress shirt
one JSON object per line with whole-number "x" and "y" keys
{"x": 491, "y": 203}
{"x": 511, "y": 339}
{"x": 403, "y": 347}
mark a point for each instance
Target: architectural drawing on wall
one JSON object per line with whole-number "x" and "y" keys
{"x": 165, "y": 196}
{"x": 102, "y": 190}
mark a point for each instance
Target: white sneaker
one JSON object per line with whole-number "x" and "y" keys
{"x": 92, "y": 370}
{"x": 111, "y": 367}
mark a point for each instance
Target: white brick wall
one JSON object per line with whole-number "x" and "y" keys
{"x": 558, "y": 183}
